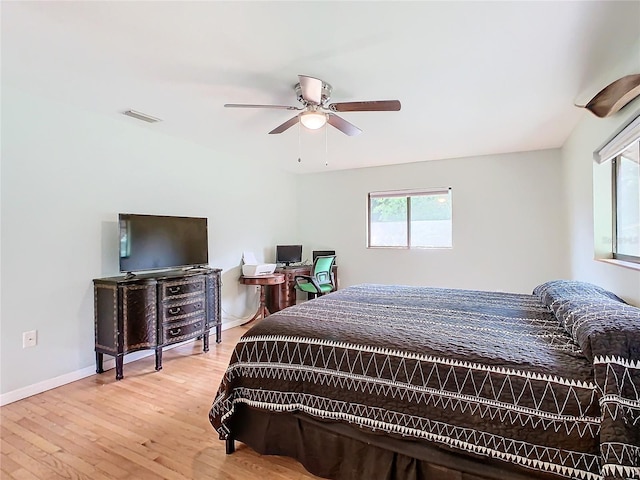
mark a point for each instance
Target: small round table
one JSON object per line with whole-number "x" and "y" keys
{"x": 262, "y": 281}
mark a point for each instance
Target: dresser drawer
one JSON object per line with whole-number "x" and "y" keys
{"x": 174, "y": 289}
{"x": 176, "y": 310}
{"x": 178, "y": 331}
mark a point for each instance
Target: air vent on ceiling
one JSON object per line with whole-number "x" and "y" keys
{"x": 142, "y": 116}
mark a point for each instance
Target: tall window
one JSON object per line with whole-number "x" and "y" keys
{"x": 410, "y": 219}
{"x": 626, "y": 204}
{"x": 623, "y": 153}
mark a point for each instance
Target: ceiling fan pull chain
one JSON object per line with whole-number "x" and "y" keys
{"x": 326, "y": 146}
{"x": 299, "y": 148}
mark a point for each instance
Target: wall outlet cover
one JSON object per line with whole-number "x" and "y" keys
{"x": 30, "y": 339}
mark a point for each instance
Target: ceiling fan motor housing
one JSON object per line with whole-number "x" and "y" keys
{"x": 325, "y": 95}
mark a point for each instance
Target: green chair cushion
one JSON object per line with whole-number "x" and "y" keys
{"x": 309, "y": 288}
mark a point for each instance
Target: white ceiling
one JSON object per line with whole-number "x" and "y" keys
{"x": 474, "y": 78}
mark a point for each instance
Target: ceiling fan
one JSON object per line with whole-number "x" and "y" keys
{"x": 315, "y": 112}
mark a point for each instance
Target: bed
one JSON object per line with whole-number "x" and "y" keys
{"x": 403, "y": 382}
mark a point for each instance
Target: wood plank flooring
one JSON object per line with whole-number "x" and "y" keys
{"x": 151, "y": 425}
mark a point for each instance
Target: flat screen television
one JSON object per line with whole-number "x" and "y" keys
{"x": 155, "y": 242}
{"x": 288, "y": 254}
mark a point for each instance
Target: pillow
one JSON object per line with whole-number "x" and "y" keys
{"x": 604, "y": 327}
{"x": 563, "y": 290}
{"x": 600, "y": 322}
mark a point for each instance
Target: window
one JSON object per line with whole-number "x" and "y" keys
{"x": 617, "y": 215}
{"x": 626, "y": 204}
{"x": 410, "y": 219}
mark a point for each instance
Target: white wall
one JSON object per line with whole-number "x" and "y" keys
{"x": 582, "y": 184}
{"x": 587, "y": 190}
{"x": 66, "y": 174}
{"x": 508, "y": 228}
{"x": 519, "y": 219}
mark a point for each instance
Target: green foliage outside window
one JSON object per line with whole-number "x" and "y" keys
{"x": 390, "y": 209}
{"x": 423, "y": 207}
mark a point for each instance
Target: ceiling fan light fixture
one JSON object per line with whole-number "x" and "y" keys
{"x": 313, "y": 119}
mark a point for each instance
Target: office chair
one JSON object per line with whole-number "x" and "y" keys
{"x": 321, "y": 280}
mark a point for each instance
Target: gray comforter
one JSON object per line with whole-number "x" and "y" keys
{"x": 548, "y": 381}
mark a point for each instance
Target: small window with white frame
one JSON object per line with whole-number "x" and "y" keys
{"x": 410, "y": 219}
{"x": 623, "y": 152}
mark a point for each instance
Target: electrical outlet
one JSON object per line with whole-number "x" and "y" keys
{"x": 30, "y": 339}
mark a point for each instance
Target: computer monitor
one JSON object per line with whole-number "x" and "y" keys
{"x": 322, "y": 253}
{"x": 288, "y": 254}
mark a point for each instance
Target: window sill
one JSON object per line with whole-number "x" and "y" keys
{"x": 620, "y": 263}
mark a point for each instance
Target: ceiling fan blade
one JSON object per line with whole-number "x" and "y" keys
{"x": 311, "y": 89}
{"x": 245, "y": 105}
{"x": 372, "y": 106}
{"x": 285, "y": 126}
{"x": 342, "y": 125}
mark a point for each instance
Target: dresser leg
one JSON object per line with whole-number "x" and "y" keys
{"x": 219, "y": 333}
{"x": 205, "y": 341}
{"x": 119, "y": 362}
{"x": 99, "y": 357}
{"x": 158, "y": 358}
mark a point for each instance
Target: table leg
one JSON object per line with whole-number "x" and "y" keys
{"x": 262, "y": 283}
{"x": 262, "y": 311}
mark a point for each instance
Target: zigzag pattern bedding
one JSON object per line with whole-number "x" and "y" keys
{"x": 490, "y": 374}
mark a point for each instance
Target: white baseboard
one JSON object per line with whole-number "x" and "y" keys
{"x": 109, "y": 363}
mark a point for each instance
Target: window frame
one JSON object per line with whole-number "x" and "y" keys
{"x": 615, "y": 167}
{"x": 605, "y": 248}
{"x": 407, "y": 194}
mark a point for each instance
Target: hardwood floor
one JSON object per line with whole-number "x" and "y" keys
{"x": 151, "y": 425}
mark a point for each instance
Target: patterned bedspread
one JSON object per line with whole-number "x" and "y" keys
{"x": 524, "y": 379}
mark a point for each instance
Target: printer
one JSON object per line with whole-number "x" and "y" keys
{"x": 251, "y": 267}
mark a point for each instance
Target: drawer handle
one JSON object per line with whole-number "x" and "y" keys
{"x": 174, "y": 289}
{"x": 175, "y": 332}
{"x": 174, "y": 311}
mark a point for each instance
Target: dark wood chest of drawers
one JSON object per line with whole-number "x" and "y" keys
{"x": 151, "y": 311}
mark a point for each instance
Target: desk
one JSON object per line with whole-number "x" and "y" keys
{"x": 284, "y": 295}
{"x": 262, "y": 281}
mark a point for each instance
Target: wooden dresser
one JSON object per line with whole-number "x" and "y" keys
{"x": 151, "y": 311}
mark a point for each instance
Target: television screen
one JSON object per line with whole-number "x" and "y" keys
{"x": 152, "y": 242}
{"x": 288, "y": 254}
